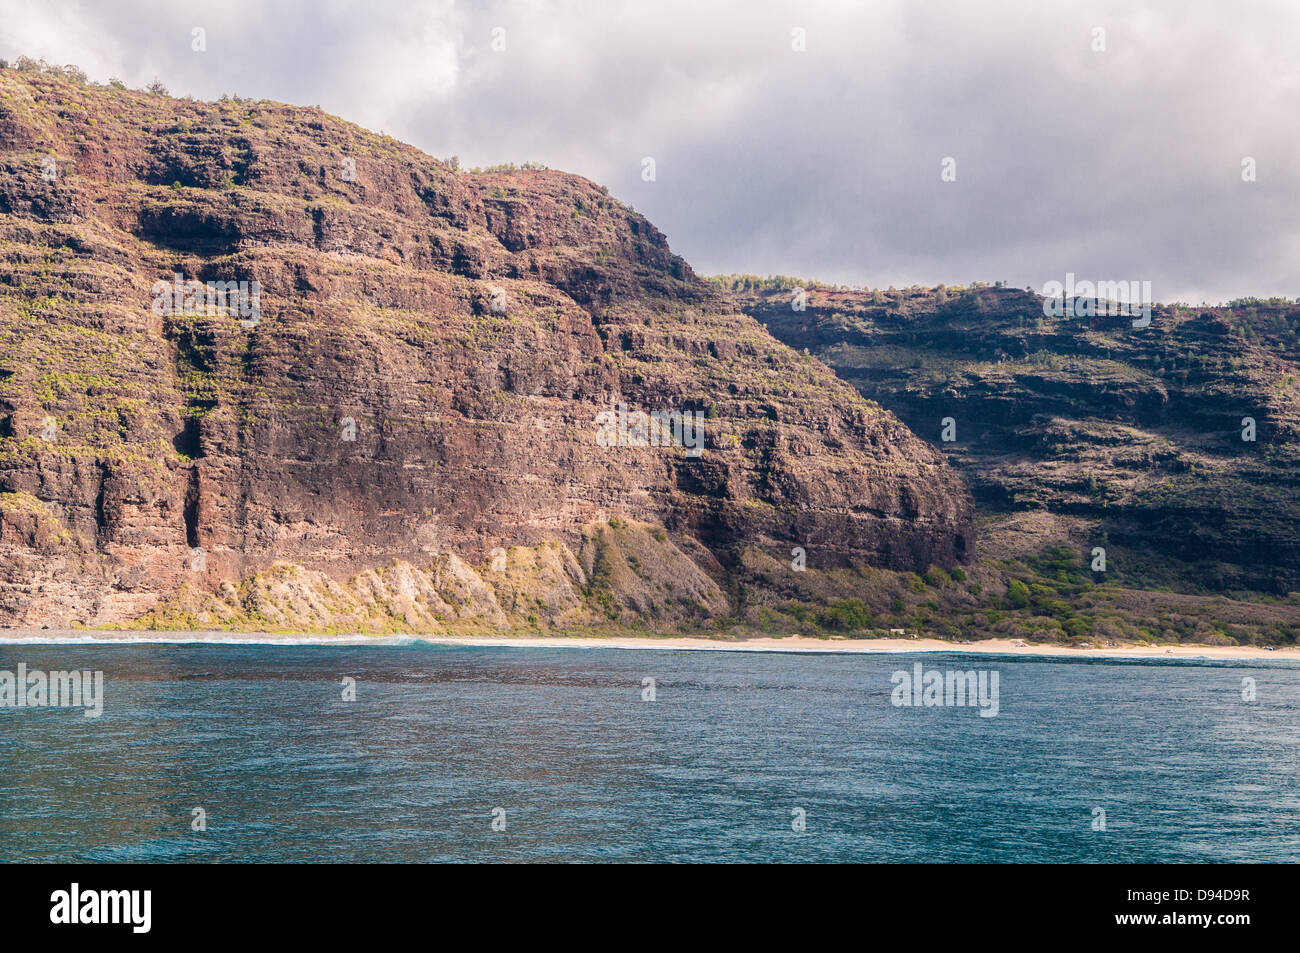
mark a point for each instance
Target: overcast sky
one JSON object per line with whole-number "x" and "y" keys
{"x": 1120, "y": 164}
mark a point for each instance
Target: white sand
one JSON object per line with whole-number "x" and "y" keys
{"x": 793, "y": 643}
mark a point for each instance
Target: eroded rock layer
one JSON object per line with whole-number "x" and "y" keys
{"x": 416, "y": 376}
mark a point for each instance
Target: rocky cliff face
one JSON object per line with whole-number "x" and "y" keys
{"x": 1085, "y": 432}
{"x": 405, "y": 391}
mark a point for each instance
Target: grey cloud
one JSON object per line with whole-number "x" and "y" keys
{"x": 824, "y": 163}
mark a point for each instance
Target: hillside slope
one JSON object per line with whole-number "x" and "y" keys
{"x": 414, "y": 389}
{"x": 1088, "y": 432}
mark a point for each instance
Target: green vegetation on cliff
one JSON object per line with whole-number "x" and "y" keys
{"x": 1170, "y": 453}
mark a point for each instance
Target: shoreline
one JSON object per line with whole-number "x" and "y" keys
{"x": 791, "y": 644}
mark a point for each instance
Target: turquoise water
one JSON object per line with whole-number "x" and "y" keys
{"x": 712, "y": 770}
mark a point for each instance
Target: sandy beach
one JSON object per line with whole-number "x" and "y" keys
{"x": 792, "y": 643}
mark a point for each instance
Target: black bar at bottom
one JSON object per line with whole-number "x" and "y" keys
{"x": 941, "y": 903}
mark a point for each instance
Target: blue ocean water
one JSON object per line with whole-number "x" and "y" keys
{"x": 717, "y": 768}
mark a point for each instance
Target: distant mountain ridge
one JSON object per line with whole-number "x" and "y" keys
{"x": 1175, "y": 447}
